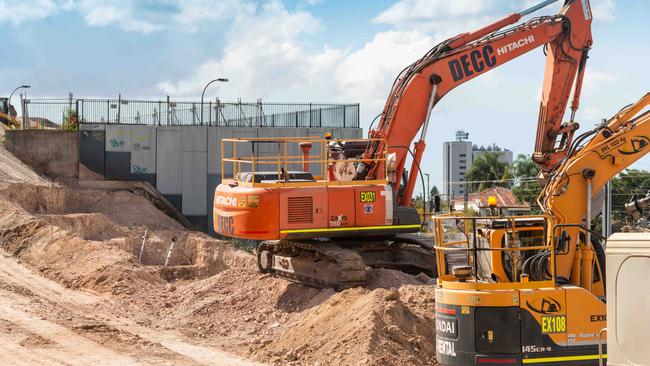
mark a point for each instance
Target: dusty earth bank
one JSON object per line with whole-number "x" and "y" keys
{"x": 210, "y": 294}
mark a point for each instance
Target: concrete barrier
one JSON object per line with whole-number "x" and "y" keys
{"x": 53, "y": 153}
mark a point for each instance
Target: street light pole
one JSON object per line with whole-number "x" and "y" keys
{"x": 11, "y": 95}
{"x": 222, "y": 80}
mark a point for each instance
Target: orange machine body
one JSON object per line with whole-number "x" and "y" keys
{"x": 305, "y": 212}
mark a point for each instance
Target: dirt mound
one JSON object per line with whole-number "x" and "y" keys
{"x": 356, "y": 327}
{"x": 121, "y": 207}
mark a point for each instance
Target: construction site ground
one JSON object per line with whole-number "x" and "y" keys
{"x": 76, "y": 288}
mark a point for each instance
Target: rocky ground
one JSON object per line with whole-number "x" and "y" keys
{"x": 77, "y": 287}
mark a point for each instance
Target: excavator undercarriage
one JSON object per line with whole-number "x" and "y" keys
{"x": 344, "y": 263}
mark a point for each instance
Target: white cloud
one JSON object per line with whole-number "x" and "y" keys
{"x": 19, "y": 11}
{"x": 147, "y": 17}
{"x": 265, "y": 58}
{"x": 603, "y": 10}
{"x": 262, "y": 54}
{"x": 409, "y": 11}
{"x": 369, "y": 72}
{"x": 129, "y": 15}
{"x": 442, "y": 18}
{"x": 595, "y": 79}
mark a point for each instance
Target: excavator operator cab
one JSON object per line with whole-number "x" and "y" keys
{"x": 500, "y": 250}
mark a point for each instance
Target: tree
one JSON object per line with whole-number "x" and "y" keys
{"x": 432, "y": 194}
{"x": 489, "y": 172}
{"x": 526, "y": 189}
{"x": 70, "y": 121}
{"x": 628, "y": 185}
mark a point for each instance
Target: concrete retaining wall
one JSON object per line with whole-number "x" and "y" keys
{"x": 51, "y": 152}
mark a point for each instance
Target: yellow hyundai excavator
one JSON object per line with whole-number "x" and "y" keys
{"x": 530, "y": 293}
{"x": 8, "y": 114}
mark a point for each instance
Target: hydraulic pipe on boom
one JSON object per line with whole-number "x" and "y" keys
{"x": 567, "y": 38}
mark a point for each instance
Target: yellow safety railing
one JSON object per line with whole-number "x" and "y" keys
{"x": 242, "y": 158}
{"x": 481, "y": 245}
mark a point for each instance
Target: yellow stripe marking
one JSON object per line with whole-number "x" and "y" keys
{"x": 387, "y": 227}
{"x": 562, "y": 359}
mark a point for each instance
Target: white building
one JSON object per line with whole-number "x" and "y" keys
{"x": 457, "y": 159}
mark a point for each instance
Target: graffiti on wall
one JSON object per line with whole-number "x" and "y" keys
{"x": 137, "y": 169}
{"x": 117, "y": 143}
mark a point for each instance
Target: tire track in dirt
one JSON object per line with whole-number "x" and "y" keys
{"x": 74, "y": 328}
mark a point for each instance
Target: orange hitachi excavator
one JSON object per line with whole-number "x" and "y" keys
{"x": 327, "y": 228}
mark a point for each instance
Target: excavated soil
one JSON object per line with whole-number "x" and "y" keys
{"x": 209, "y": 291}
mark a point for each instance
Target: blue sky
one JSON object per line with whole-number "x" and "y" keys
{"x": 310, "y": 50}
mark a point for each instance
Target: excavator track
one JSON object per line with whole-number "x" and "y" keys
{"x": 343, "y": 264}
{"x": 312, "y": 263}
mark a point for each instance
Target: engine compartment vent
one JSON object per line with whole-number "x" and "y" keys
{"x": 300, "y": 210}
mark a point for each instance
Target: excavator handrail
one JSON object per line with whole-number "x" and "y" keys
{"x": 470, "y": 247}
{"x": 243, "y": 169}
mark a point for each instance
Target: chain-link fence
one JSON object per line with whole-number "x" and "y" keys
{"x": 50, "y": 113}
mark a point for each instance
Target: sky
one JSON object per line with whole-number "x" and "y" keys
{"x": 311, "y": 51}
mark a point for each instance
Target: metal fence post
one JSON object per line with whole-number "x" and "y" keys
{"x": 23, "y": 106}
{"x": 209, "y": 113}
{"x": 357, "y": 114}
{"x": 240, "y": 113}
{"x": 119, "y": 107}
{"x": 108, "y": 111}
{"x": 310, "y": 125}
{"x": 344, "y": 108}
{"x": 168, "y": 110}
{"x": 217, "y": 111}
{"x": 76, "y": 112}
{"x": 159, "y": 111}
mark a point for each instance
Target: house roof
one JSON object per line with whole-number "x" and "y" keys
{"x": 504, "y": 196}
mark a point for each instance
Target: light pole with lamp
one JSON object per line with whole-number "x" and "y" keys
{"x": 11, "y": 95}
{"x": 222, "y": 80}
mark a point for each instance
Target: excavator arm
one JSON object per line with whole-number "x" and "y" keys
{"x": 419, "y": 87}
{"x": 594, "y": 158}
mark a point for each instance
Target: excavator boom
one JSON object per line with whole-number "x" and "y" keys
{"x": 419, "y": 87}
{"x": 567, "y": 198}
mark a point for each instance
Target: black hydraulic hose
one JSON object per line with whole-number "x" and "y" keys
{"x": 373, "y": 122}
{"x": 600, "y": 258}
